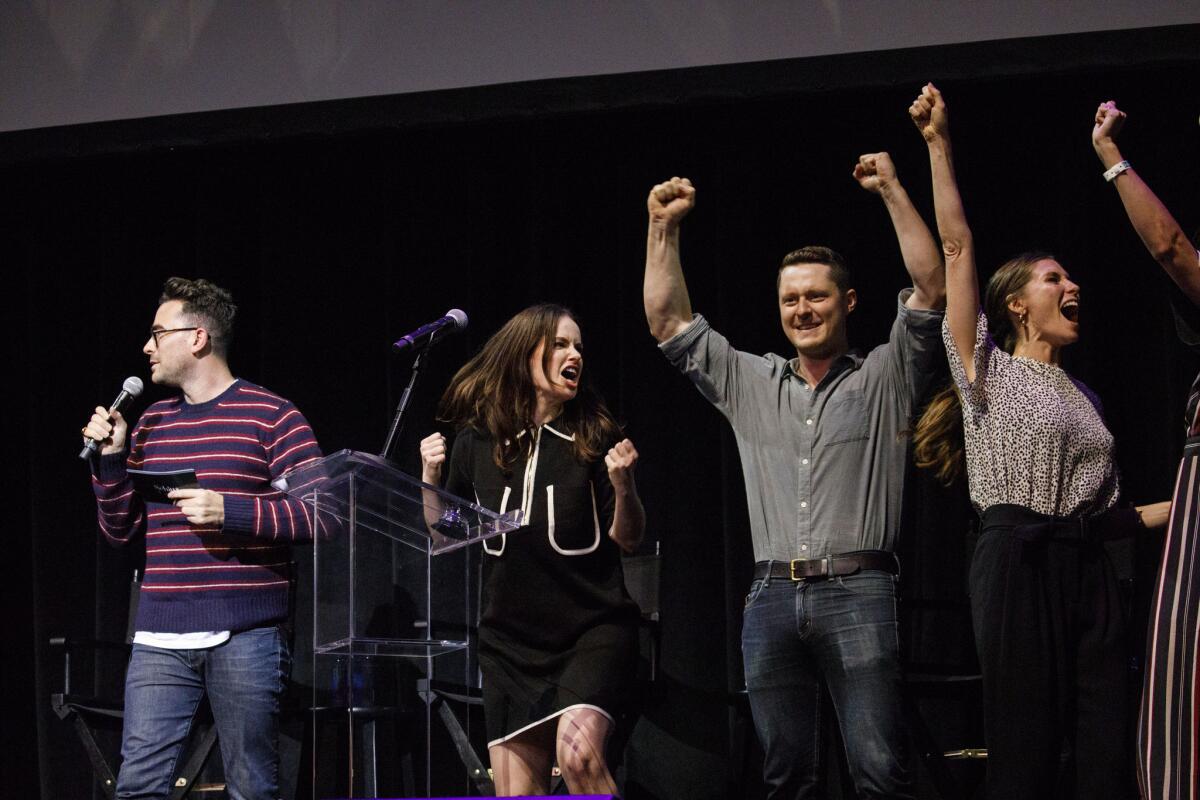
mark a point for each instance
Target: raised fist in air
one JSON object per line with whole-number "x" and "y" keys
{"x": 670, "y": 201}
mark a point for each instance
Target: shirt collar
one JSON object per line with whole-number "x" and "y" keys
{"x": 846, "y": 361}
{"x": 570, "y": 437}
{"x": 560, "y": 434}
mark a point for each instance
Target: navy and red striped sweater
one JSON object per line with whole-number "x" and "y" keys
{"x": 210, "y": 578}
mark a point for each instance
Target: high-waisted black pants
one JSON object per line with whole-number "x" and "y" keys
{"x": 1050, "y": 632}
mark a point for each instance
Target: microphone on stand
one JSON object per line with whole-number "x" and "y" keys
{"x": 426, "y": 335}
{"x": 419, "y": 341}
{"x": 131, "y": 388}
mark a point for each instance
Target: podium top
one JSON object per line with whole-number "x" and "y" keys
{"x": 366, "y": 491}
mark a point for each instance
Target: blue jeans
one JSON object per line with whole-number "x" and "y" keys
{"x": 800, "y": 639}
{"x": 244, "y": 679}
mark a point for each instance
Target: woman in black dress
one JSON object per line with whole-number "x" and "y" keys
{"x": 557, "y": 634}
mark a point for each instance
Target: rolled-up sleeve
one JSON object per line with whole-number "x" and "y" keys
{"x": 709, "y": 361}
{"x": 914, "y": 353}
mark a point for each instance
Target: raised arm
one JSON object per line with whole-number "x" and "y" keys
{"x": 664, "y": 292}
{"x": 876, "y": 173}
{"x": 928, "y": 113}
{"x": 1158, "y": 230}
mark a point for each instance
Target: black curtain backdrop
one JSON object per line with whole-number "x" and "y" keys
{"x": 340, "y": 226}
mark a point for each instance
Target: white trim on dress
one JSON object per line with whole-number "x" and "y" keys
{"x": 582, "y": 551}
{"x": 503, "y": 536}
{"x": 558, "y": 713}
{"x": 560, "y": 434}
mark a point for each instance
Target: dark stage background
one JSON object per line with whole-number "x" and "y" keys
{"x": 340, "y": 226}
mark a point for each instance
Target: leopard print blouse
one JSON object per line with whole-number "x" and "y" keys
{"x": 1035, "y": 436}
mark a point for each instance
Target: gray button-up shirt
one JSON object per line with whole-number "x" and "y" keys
{"x": 824, "y": 467}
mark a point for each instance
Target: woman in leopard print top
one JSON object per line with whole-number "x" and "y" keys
{"x": 1039, "y": 461}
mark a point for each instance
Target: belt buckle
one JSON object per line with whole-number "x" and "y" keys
{"x": 826, "y": 568}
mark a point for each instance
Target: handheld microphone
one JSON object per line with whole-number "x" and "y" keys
{"x": 424, "y": 336}
{"x": 131, "y": 388}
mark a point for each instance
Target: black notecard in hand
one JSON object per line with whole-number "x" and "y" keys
{"x": 153, "y": 486}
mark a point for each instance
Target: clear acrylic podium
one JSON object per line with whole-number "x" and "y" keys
{"x": 395, "y": 603}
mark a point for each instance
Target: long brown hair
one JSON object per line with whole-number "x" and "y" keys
{"x": 494, "y": 394}
{"x": 938, "y": 435}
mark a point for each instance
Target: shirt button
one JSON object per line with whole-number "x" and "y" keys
{"x": 804, "y": 461}
{"x": 804, "y": 504}
{"x": 808, "y": 422}
{"x": 803, "y": 547}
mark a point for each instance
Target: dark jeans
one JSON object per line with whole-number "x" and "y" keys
{"x": 1050, "y": 633}
{"x": 840, "y": 634}
{"x": 244, "y": 678}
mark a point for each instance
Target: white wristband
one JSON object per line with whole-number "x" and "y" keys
{"x": 1116, "y": 169}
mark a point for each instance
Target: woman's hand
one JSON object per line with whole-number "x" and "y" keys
{"x": 1155, "y": 515}
{"x": 620, "y": 461}
{"x": 433, "y": 457}
{"x": 629, "y": 518}
{"x": 1107, "y": 125}
{"x": 928, "y": 113}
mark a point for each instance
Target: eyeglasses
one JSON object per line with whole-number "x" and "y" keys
{"x": 157, "y": 334}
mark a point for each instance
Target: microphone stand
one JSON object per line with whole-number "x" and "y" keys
{"x": 393, "y": 436}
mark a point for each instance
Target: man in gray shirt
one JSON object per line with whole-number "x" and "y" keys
{"x": 824, "y": 457}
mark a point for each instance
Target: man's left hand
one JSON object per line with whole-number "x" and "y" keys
{"x": 875, "y": 172}
{"x": 200, "y": 506}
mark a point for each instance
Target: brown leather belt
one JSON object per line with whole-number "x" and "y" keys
{"x": 807, "y": 569}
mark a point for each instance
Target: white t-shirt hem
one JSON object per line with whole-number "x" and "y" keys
{"x": 199, "y": 640}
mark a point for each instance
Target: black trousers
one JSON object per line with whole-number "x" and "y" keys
{"x": 1050, "y": 632}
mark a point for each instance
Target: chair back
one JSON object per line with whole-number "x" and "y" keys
{"x": 642, "y": 579}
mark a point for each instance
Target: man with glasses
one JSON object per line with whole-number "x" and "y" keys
{"x": 218, "y": 557}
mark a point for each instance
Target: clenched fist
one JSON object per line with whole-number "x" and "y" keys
{"x": 1108, "y": 122}
{"x": 874, "y": 172}
{"x": 928, "y": 113}
{"x": 620, "y": 461}
{"x": 433, "y": 457}
{"x": 670, "y": 201}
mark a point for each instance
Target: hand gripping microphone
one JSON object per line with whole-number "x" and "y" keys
{"x": 131, "y": 388}
{"x": 424, "y": 336}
